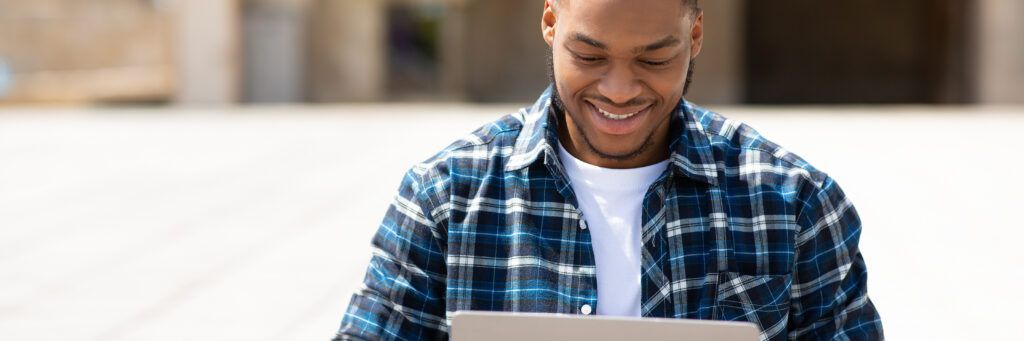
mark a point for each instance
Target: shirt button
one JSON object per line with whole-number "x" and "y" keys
{"x": 585, "y": 309}
{"x": 583, "y": 224}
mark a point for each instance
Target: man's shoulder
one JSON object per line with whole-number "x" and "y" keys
{"x": 746, "y": 153}
{"x": 491, "y": 143}
{"x": 497, "y": 134}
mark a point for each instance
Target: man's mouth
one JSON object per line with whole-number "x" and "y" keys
{"x": 616, "y": 121}
{"x": 616, "y": 117}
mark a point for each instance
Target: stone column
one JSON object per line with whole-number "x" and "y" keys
{"x": 999, "y": 59}
{"x": 209, "y": 62}
{"x": 274, "y": 50}
{"x": 347, "y": 59}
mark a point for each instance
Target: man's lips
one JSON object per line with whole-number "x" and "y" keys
{"x": 617, "y": 121}
{"x": 614, "y": 116}
{"x": 616, "y": 112}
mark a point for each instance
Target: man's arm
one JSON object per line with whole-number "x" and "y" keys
{"x": 403, "y": 294}
{"x": 829, "y": 295}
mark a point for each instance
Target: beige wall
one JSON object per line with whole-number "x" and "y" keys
{"x": 86, "y": 51}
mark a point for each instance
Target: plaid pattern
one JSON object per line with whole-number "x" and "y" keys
{"x": 736, "y": 228}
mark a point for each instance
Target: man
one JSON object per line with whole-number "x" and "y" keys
{"x": 612, "y": 195}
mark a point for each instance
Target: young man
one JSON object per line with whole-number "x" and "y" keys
{"x": 612, "y": 195}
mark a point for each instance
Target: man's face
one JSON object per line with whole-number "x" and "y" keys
{"x": 619, "y": 68}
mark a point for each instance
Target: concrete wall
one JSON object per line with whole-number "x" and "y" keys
{"x": 274, "y": 40}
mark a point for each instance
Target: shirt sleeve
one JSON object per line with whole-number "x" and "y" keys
{"x": 403, "y": 293}
{"x": 829, "y": 295}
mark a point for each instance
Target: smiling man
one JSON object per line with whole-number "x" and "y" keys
{"x": 613, "y": 195}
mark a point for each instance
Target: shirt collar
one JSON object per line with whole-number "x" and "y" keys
{"x": 691, "y": 153}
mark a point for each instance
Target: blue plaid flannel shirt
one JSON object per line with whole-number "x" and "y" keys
{"x": 737, "y": 228}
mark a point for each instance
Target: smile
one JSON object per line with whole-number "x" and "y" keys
{"x": 614, "y": 116}
{"x": 611, "y": 121}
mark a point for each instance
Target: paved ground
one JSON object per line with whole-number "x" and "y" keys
{"x": 253, "y": 224}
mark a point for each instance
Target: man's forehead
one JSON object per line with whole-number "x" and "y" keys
{"x": 624, "y": 14}
{"x": 624, "y": 24}
{"x": 666, "y": 41}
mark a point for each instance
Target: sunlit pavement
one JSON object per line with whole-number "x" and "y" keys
{"x": 254, "y": 224}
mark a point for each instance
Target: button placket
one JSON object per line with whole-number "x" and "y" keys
{"x": 585, "y": 309}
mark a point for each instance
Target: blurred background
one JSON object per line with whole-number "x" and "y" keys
{"x": 300, "y": 51}
{"x": 214, "y": 169}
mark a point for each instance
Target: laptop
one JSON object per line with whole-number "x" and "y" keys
{"x": 500, "y": 326}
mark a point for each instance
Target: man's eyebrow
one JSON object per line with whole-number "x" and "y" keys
{"x": 588, "y": 40}
{"x": 668, "y": 41}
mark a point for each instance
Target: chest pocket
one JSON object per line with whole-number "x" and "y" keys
{"x": 763, "y": 300}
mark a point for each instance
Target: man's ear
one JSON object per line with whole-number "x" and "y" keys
{"x": 547, "y": 23}
{"x": 697, "y": 35}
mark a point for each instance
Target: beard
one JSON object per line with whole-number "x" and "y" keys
{"x": 561, "y": 112}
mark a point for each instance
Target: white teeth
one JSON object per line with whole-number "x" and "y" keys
{"x": 614, "y": 116}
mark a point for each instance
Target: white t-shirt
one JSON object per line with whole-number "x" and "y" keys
{"x": 611, "y": 200}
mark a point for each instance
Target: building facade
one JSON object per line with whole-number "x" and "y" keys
{"x": 256, "y": 51}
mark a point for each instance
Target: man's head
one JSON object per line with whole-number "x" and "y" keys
{"x": 619, "y": 69}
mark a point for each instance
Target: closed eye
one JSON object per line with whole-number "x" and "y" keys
{"x": 656, "y": 62}
{"x": 586, "y": 59}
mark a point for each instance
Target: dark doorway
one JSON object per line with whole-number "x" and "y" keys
{"x": 857, "y": 51}
{"x": 414, "y": 51}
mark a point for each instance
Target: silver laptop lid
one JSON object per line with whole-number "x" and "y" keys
{"x": 496, "y": 326}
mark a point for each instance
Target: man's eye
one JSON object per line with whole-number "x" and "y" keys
{"x": 656, "y": 62}
{"x": 586, "y": 59}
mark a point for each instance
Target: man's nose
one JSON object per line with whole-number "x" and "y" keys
{"x": 620, "y": 85}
